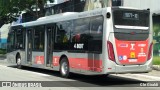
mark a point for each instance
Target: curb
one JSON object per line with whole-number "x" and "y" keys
{"x": 2, "y": 55}
{"x": 156, "y": 67}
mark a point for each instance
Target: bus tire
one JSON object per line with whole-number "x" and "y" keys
{"x": 18, "y": 59}
{"x": 105, "y": 75}
{"x": 64, "y": 68}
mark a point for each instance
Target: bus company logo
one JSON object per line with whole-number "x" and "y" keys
{"x": 132, "y": 46}
{"x": 123, "y": 45}
{"x": 141, "y": 45}
{"x": 21, "y": 84}
{"x": 6, "y": 84}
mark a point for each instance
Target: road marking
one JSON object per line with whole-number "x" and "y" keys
{"x": 134, "y": 76}
{"x": 3, "y": 66}
{"x": 149, "y": 77}
{"x": 140, "y": 77}
{"x": 41, "y": 74}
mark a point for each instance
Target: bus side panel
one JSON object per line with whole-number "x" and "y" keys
{"x": 22, "y": 54}
{"x": 83, "y": 63}
{"x": 38, "y": 58}
{"x": 11, "y": 57}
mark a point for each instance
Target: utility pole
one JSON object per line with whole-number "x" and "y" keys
{"x": 37, "y": 8}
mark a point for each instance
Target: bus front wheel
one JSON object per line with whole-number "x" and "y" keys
{"x": 64, "y": 68}
{"x": 18, "y": 59}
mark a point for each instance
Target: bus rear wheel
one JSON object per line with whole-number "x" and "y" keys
{"x": 64, "y": 68}
{"x": 18, "y": 59}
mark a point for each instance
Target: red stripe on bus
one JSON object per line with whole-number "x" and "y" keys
{"x": 86, "y": 64}
{"x": 39, "y": 59}
{"x": 81, "y": 64}
{"x": 55, "y": 61}
{"x": 76, "y": 63}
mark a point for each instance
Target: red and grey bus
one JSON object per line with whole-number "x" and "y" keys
{"x": 97, "y": 42}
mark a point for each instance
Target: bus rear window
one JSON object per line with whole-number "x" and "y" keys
{"x": 131, "y": 17}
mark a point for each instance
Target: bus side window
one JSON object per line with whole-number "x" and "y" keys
{"x": 96, "y": 25}
{"x": 96, "y": 32}
{"x": 19, "y": 39}
{"x": 10, "y": 41}
{"x": 38, "y": 44}
{"x": 62, "y": 35}
{"x": 99, "y": 29}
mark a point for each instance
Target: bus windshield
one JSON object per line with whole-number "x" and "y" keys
{"x": 125, "y": 18}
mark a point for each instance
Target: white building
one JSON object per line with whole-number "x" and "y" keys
{"x": 4, "y": 34}
{"x": 153, "y": 5}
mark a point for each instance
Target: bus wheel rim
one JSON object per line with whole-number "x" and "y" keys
{"x": 18, "y": 61}
{"x": 64, "y": 68}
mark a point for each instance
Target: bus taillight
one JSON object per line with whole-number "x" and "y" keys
{"x": 110, "y": 51}
{"x": 150, "y": 51}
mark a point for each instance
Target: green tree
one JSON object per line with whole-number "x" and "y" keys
{"x": 10, "y": 9}
{"x": 156, "y": 28}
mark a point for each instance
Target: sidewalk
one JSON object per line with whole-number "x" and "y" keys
{"x": 2, "y": 57}
{"x": 3, "y": 60}
{"x": 156, "y": 67}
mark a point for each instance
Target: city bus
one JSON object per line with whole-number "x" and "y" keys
{"x": 111, "y": 40}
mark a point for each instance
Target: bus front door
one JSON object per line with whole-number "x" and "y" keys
{"x": 49, "y": 47}
{"x": 29, "y": 46}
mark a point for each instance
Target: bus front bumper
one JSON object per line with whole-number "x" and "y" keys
{"x": 133, "y": 69}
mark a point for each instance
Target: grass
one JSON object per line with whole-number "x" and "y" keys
{"x": 156, "y": 60}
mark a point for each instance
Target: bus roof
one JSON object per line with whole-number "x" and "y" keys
{"x": 60, "y": 17}
{"x": 66, "y": 16}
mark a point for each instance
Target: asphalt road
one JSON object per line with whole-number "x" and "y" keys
{"x": 53, "y": 80}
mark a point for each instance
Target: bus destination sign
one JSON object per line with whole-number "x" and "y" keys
{"x": 131, "y": 15}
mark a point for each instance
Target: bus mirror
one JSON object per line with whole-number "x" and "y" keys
{"x": 108, "y": 15}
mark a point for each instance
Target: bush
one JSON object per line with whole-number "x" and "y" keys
{"x": 156, "y": 60}
{"x": 2, "y": 51}
{"x": 156, "y": 49}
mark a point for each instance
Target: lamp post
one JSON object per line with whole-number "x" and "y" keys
{"x": 37, "y": 8}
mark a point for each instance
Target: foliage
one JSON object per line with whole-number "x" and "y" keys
{"x": 2, "y": 51}
{"x": 156, "y": 49}
{"x": 156, "y": 28}
{"x": 156, "y": 60}
{"x": 10, "y": 9}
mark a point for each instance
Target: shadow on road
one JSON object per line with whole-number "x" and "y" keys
{"x": 89, "y": 81}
